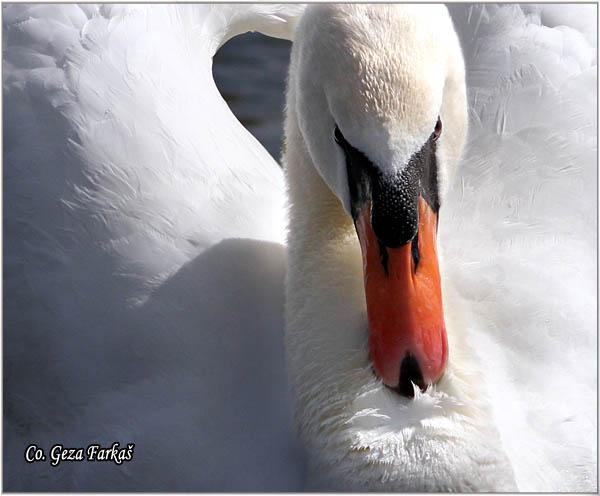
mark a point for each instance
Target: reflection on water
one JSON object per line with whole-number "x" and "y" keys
{"x": 250, "y": 71}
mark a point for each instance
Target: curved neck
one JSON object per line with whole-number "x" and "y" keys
{"x": 359, "y": 434}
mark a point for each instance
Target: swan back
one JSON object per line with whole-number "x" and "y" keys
{"x": 142, "y": 253}
{"x": 518, "y": 239}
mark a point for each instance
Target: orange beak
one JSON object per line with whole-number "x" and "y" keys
{"x": 407, "y": 335}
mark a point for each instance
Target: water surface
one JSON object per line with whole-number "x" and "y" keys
{"x": 250, "y": 71}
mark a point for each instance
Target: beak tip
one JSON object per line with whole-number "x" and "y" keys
{"x": 410, "y": 376}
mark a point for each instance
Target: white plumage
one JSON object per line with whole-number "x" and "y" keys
{"x": 524, "y": 203}
{"x": 143, "y": 296}
{"x": 130, "y": 216}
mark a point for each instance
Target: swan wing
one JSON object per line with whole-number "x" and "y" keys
{"x": 143, "y": 258}
{"x": 520, "y": 229}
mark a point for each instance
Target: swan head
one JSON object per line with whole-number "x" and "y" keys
{"x": 381, "y": 105}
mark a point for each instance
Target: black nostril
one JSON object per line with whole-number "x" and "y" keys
{"x": 410, "y": 372}
{"x": 383, "y": 256}
{"x": 414, "y": 250}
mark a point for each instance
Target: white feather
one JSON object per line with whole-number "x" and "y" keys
{"x": 520, "y": 236}
{"x": 143, "y": 265}
{"x": 135, "y": 205}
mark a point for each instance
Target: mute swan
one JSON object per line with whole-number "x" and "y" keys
{"x": 119, "y": 260}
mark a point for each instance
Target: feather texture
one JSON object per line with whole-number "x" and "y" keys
{"x": 144, "y": 266}
{"x": 518, "y": 232}
{"x": 130, "y": 213}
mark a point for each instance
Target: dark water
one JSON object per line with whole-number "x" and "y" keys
{"x": 250, "y": 71}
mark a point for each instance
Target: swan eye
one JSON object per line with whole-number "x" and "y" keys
{"x": 438, "y": 129}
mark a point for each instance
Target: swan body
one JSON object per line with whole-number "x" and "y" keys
{"x": 130, "y": 243}
{"x": 144, "y": 270}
